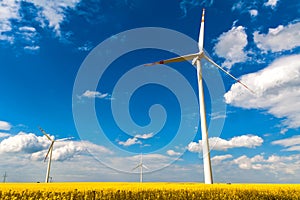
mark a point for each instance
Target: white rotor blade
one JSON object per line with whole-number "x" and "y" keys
{"x": 201, "y": 33}
{"x": 237, "y": 80}
{"x": 51, "y": 146}
{"x": 136, "y": 167}
{"x": 64, "y": 139}
{"x": 145, "y": 166}
{"x": 44, "y": 132}
{"x": 176, "y": 59}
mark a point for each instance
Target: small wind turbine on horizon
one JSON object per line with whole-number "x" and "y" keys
{"x": 141, "y": 166}
{"x": 196, "y": 58}
{"x": 49, "y": 153}
{"x": 4, "y": 177}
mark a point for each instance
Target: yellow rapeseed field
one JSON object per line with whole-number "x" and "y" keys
{"x": 145, "y": 191}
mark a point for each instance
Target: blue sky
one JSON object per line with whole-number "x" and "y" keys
{"x": 75, "y": 68}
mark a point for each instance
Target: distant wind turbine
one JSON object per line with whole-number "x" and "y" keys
{"x": 49, "y": 153}
{"x": 4, "y": 177}
{"x": 196, "y": 58}
{"x": 141, "y": 166}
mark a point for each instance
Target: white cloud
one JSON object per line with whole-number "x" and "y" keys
{"x": 277, "y": 89}
{"x": 173, "y": 153}
{"x": 293, "y": 143}
{"x": 295, "y": 140}
{"x": 134, "y": 140}
{"x": 67, "y": 150}
{"x": 50, "y": 13}
{"x": 195, "y": 147}
{"x": 217, "y": 115}
{"x": 94, "y": 94}
{"x": 53, "y": 12}
{"x": 37, "y": 146}
{"x": 86, "y": 47}
{"x": 27, "y": 28}
{"x": 273, "y": 40}
{"x": 216, "y": 143}
{"x": 275, "y": 164}
{"x": 5, "y": 126}
{"x": 219, "y": 159}
{"x": 231, "y": 46}
{"x": 145, "y": 136}
{"x": 271, "y": 3}
{"x": 9, "y": 10}
{"x": 32, "y": 48}
{"x": 3, "y": 135}
{"x": 253, "y": 12}
{"x": 130, "y": 141}
{"x": 249, "y": 163}
{"x": 23, "y": 142}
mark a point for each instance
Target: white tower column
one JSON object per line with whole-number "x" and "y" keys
{"x": 49, "y": 165}
{"x": 205, "y": 145}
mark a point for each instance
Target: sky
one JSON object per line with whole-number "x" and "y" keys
{"x": 75, "y": 68}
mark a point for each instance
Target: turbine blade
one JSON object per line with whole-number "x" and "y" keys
{"x": 51, "y": 146}
{"x": 145, "y": 166}
{"x": 136, "y": 167}
{"x": 201, "y": 33}
{"x": 176, "y": 59}
{"x": 64, "y": 139}
{"x": 237, "y": 80}
{"x": 44, "y": 132}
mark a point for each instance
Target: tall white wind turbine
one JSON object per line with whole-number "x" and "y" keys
{"x": 196, "y": 58}
{"x": 141, "y": 166}
{"x": 49, "y": 153}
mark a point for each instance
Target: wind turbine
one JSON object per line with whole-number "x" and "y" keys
{"x": 196, "y": 58}
{"x": 49, "y": 153}
{"x": 141, "y": 166}
{"x": 4, "y": 177}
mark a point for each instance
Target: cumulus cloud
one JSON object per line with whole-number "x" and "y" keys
{"x": 253, "y": 12}
{"x": 231, "y": 46}
{"x": 219, "y": 159}
{"x": 23, "y": 142}
{"x": 277, "y": 89}
{"x": 5, "y": 126}
{"x": 145, "y": 136}
{"x": 274, "y": 163}
{"x": 273, "y": 40}
{"x": 94, "y": 94}
{"x": 271, "y": 3}
{"x": 173, "y": 153}
{"x": 37, "y": 147}
{"x": 3, "y": 135}
{"x": 292, "y": 143}
{"x": 134, "y": 140}
{"x": 216, "y": 143}
{"x": 130, "y": 141}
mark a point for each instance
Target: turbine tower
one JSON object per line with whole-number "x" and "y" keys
{"x": 49, "y": 153}
{"x": 196, "y": 60}
{"x": 141, "y": 166}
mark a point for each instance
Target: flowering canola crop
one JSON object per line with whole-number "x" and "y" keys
{"x": 132, "y": 191}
